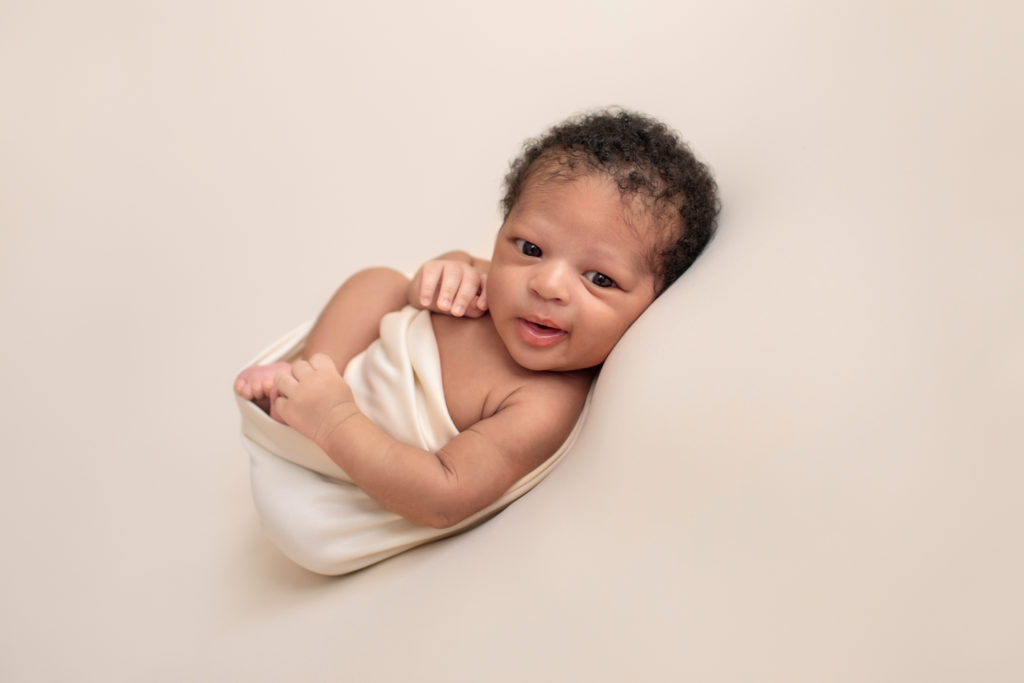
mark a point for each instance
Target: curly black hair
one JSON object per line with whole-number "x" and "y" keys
{"x": 646, "y": 159}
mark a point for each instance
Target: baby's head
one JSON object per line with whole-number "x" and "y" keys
{"x": 654, "y": 170}
{"x": 601, "y": 214}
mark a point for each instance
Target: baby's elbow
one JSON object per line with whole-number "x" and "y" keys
{"x": 447, "y": 501}
{"x": 439, "y": 523}
{"x": 438, "y": 518}
{"x": 445, "y": 513}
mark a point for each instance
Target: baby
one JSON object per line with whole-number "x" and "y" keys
{"x": 602, "y": 213}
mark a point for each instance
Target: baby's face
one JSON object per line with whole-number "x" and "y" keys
{"x": 569, "y": 273}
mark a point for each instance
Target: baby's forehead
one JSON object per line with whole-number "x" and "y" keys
{"x": 644, "y": 226}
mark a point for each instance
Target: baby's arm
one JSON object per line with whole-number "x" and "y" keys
{"x": 346, "y": 326}
{"x": 351, "y": 319}
{"x": 436, "y": 489}
{"x": 452, "y": 284}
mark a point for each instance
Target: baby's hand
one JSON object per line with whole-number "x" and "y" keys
{"x": 314, "y": 399}
{"x": 452, "y": 287}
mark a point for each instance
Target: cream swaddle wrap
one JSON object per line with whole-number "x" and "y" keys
{"x": 308, "y": 505}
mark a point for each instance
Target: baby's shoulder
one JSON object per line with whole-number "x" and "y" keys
{"x": 549, "y": 400}
{"x": 556, "y": 386}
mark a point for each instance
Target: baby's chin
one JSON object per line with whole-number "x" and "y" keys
{"x": 550, "y": 362}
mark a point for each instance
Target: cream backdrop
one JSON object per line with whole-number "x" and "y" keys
{"x": 803, "y": 464}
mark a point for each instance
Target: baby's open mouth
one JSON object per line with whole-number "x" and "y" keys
{"x": 539, "y": 334}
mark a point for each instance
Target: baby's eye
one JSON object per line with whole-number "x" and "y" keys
{"x": 528, "y": 248}
{"x": 599, "y": 279}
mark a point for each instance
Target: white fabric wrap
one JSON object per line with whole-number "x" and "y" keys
{"x": 307, "y": 504}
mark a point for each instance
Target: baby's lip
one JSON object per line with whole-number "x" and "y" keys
{"x": 539, "y": 334}
{"x": 544, "y": 322}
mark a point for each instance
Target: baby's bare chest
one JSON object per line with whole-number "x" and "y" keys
{"x": 477, "y": 372}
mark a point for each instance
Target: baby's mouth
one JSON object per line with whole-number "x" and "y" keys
{"x": 539, "y": 334}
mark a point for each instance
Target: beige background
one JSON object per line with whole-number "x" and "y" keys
{"x": 803, "y": 464}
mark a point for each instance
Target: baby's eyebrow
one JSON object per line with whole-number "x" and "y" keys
{"x": 612, "y": 256}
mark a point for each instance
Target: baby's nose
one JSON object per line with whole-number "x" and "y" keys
{"x": 551, "y": 281}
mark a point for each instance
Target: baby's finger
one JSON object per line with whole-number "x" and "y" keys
{"x": 430, "y": 275}
{"x": 473, "y": 312}
{"x": 468, "y": 289}
{"x": 285, "y": 384}
{"x": 481, "y": 301}
{"x": 278, "y": 407}
{"x": 450, "y": 282}
{"x": 301, "y": 369}
{"x": 274, "y": 412}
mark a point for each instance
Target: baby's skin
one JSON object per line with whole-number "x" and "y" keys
{"x": 453, "y": 284}
{"x": 256, "y": 383}
{"x": 519, "y": 338}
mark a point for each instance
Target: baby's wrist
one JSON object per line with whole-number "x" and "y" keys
{"x": 334, "y": 423}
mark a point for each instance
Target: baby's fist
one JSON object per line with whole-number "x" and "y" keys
{"x": 314, "y": 399}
